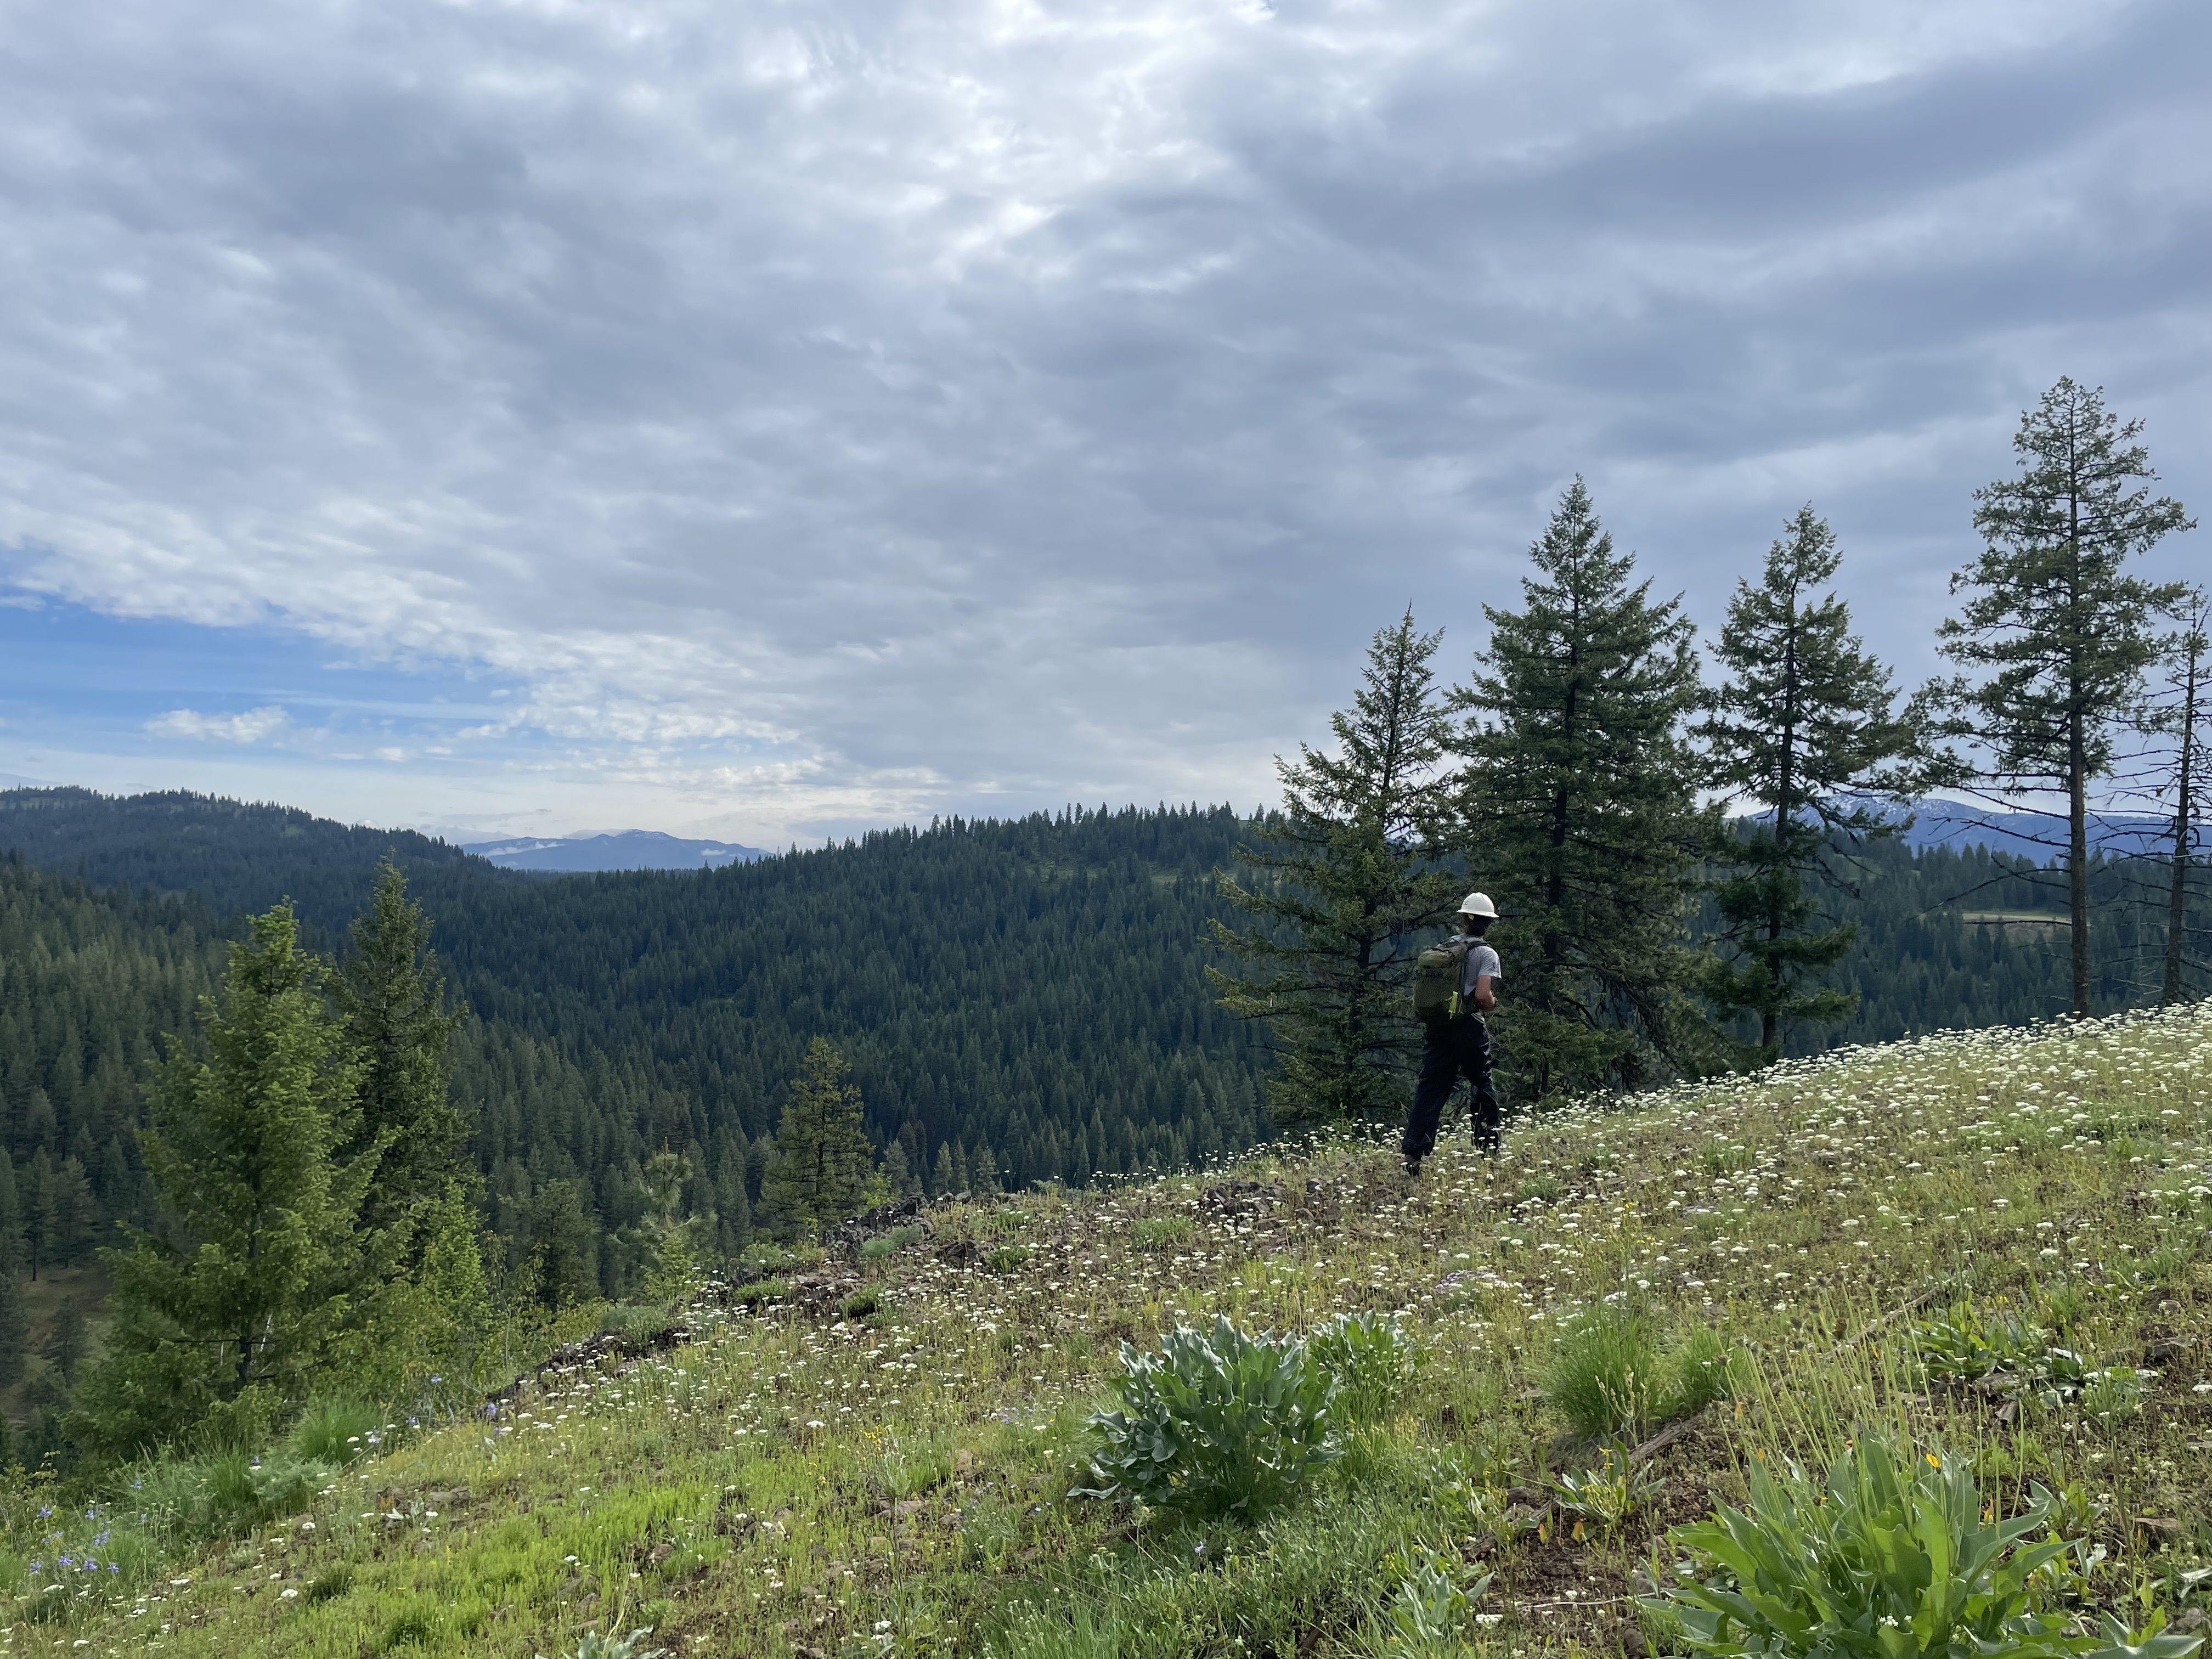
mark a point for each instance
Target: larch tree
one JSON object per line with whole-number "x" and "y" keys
{"x": 2055, "y": 634}
{"x": 223, "y": 1313}
{"x": 1343, "y": 882}
{"x": 1579, "y": 814}
{"x": 823, "y": 1167}
{"x": 1803, "y": 728}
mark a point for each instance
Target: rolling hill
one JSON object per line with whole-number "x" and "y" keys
{"x": 1983, "y": 1257}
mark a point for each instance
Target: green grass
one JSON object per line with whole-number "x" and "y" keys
{"x": 1767, "y": 1251}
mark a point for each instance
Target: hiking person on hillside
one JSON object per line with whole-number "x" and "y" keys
{"x": 1454, "y": 986}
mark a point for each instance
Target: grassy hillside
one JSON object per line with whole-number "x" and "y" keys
{"x": 880, "y": 1461}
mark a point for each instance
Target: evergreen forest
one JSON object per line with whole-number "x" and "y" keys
{"x": 287, "y": 1100}
{"x": 1018, "y": 1000}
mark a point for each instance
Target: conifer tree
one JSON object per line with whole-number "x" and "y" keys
{"x": 559, "y": 1271}
{"x": 2055, "y": 634}
{"x": 668, "y": 1239}
{"x": 391, "y": 993}
{"x": 823, "y": 1159}
{"x": 983, "y": 1169}
{"x": 897, "y": 1178}
{"x": 221, "y": 1317}
{"x": 2183, "y": 717}
{"x": 454, "y": 1291}
{"x": 38, "y": 1198}
{"x": 15, "y": 1322}
{"x": 67, "y": 1342}
{"x": 1343, "y": 880}
{"x": 1580, "y": 815}
{"x": 733, "y": 1210}
{"x": 1802, "y": 727}
{"x": 69, "y": 1202}
{"x": 945, "y": 1176}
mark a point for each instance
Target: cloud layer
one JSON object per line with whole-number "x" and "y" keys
{"x": 829, "y": 414}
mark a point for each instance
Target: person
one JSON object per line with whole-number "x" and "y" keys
{"x": 1460, "y": 1044}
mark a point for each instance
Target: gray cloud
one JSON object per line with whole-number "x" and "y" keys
{"x": 878, "y": 408}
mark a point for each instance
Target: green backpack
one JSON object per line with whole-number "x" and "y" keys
{"x": 1436, "y": 981}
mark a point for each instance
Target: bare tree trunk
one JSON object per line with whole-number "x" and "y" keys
{"x": 2184, "y": 826}
{"x": 2077, "y": 873}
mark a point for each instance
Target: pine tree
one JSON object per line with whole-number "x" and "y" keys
{"x": 2184, "y": 718}
{"x": 392, "y": 994}
{"x": 897, "y": 1176}
{"x": 1343, "y": 880}
{"x": 1580, "y": 816}
{"x": 38, "y": 1196}
{"x": 559, "y": 1271}
{"x": 668, "y": 1239}
{"x": 822, "y": 1160}
{"x": 68, "y": 1197}
{"x": 1803, "y": 726}
{"x": 455, "y": 1292}
{"x": 733, "y": 1209}
{"x": 15, "y": 1320}
{"x": 945, "y": 1176}
{"x": 221, "y": 1317}
{"x": 2055, "y": 634}
{"x": 67, "y": 1342}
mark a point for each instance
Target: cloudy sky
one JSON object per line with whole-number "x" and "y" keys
{"x": 770, "y": 419}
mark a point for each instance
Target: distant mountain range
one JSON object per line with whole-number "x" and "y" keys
{"x": 628, "y": 849}
{"x": 1959, "y": 824}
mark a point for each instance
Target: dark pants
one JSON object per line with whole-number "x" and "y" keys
{"x": 1450, "y": 1049}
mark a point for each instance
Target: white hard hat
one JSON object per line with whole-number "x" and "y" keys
{"x": 1478, "y": 905}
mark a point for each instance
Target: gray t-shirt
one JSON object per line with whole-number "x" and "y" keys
{"x": 1480, "y": 959}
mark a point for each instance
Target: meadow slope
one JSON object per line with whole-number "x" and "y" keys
{"x": 879, "y": 1461}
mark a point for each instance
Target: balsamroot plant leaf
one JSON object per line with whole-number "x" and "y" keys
{"x": 1217, "y": 1422}
{"x": 1891, "y": 1555}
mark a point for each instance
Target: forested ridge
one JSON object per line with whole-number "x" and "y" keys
{"x": 1022, "y": 999}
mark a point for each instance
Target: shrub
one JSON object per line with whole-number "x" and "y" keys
{"x": 334, "y": 1431}
{"x": 1159, "y": 1232}
{"x": 861, "y": 1304}
{"x": 1701, "y": 1370}
{"x": 595, "y": 1646}
{"x": 1962, "y": 1344}
{"x": 639, "y": 1322}
{"x": 1372, "y": 1359}
{"x": 1032, "y": 1632}
{"x": 761, "y": 1260}
{"x": 1429, "y": 1610}
{"x": 1720, "y": 1157}
{"x": 229, "y": 1492}
{"x": 1217, "y": 1422}
{"x": 1604, "y": 1377}
{"x": 2007, "y": 1356}
{"x": 2065, "y": 1304}
{"x": 1540, "y": 1188}
{"x": 1891, "y": 1557}
{"x": 1604, "y": 1497}
{"x": 890, "y": 1243}
{"x": 1007, "y": 1258}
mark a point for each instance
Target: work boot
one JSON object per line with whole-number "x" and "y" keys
{"x": 1412, "y": 1168}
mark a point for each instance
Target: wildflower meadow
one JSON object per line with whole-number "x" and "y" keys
{"x": 1648, "y": 1383}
